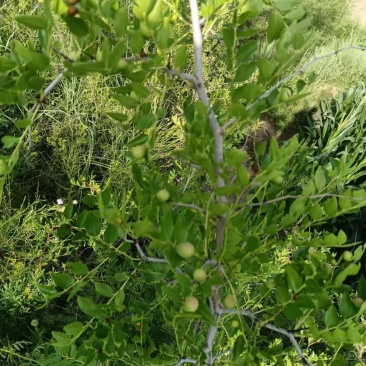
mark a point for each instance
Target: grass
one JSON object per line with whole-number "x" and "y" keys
{"x": 332, "y": 29}
{"x": 75, "y": 141}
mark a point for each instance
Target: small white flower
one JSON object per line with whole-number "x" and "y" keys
{"x": 60, "y": 201}
{"x": 74, "y": 202}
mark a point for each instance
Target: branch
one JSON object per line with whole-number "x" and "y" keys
{"x": 146, "y": 258}
{"x": 292, "y": 76}
{"x": 214, "y": 124}
{"x": 35, "y": 106}
{"x": 272, "y": 327}
{"x": 326, "y": 195}
{"x": 202, "y": 94}
{"x": 185, "y": 360}
{"x": 188, "y": 205}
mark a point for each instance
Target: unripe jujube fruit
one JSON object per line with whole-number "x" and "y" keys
{"x": 230, "y": 301}
{"x": 185, "y": 249}
{"x": 191, "y": 304}
{"x": 199, "y": 275}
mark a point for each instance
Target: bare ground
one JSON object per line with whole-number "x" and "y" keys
{"x": 358, "y": 11}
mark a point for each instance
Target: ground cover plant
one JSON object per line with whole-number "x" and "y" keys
{"x": 169, "y": 244}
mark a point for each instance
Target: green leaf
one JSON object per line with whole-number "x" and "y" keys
{"x": 143, "y": 228}
{"x": 69, "y": 209}
{"x": 253, "y": 243}
{"x": 275, "y": 27}
{"x": 298, "y": 206}
{"x": 331, "y": 318}
{"x": 78, "y": 269}
{"x": 86, "y": 305}
{"x": 246, "y": 51}
{"x": 346, "y": 307}
{"x": 361, "y": 288}
{"x": 309, "y": 189}
{"x": 180, "y": 57}
{"x": 32, "y": 21}
{"x": 110, "y": 234}
{"x": 330, "y": 240}
{"x": 9, "y": 141}
{"x": 351, "y": 270}
{"x": 320, "y": 180}
{"x": 342, "y": 238}
{"x": 121, "y": 276}
{"x": 286, "y": 5}
{"x": 139, "y": 140}
{"x": 282, "y": 295}
{"x": 358, "y": 253}
{"x": 62, "y": 339}
{"x": 62, "y": 280}
{"x": 89, "y": 200}
{"x": 6, "y": 64}
{"x": 64, "y": 231}
{"x": 77, "y": 26}
{"x": 316, "y": 212}
{"x": 293, "y": 278}
{"x": 74, "y": 328}
{"x": 121, "y": 21}
{"x": 38, "y": 62}
{"x": 92, "y": 224}
{"x": 137, "y": 41}
{"x": 118, "y": 116}
{"x": 345, "y": 202}
{"x": 125, "y": 101}
{"x": 244, "y": 71}
{"x": 23, "y": 123}
{"x": 103, "y": 289}
{"x": 119, "y": 297}
{"x": 239, "y": 346}
{"x": 330, "y": 207}
{"x": 47, "y": 290}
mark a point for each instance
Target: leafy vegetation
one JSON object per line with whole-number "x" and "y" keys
{"x": 144, "y": 220}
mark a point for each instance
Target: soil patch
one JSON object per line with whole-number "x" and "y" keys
{"x": 358, "y": 11}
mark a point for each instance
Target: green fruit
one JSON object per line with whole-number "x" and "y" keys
{"x": 34, "y": 323}
{"x": 285, "y": 93}
{"x": 3, "y": 167}
{"x": 138, "y": 152}
{"x": 235, "y": 324}
{"x": 154, "y": 17}
{"x": 191, "y": 304}
{"x": 347, "y": 256}
{"x": 278, "y": 179}
{"x": 230, "y": 301}
{"x": 163, "y": 195}
{"x": 358, "y": 302}
{"x": 199, "y": 275}
{"x": 185, "y": 249}
{"x": 267, "y": 2}
{"x": 122, "y": 64}
{"x": 328, "y": 268}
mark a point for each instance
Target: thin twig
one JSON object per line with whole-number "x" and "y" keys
{"x": 316, "y": 196}
{"x": 146, "y": 258}
{"x": 185, "y": 360}
{"x": 35, "y": 106}
{"x": 188, "y": 205}
{"x": 65, "y": 57}
{"x": 214, "y": 124}
{"x": 292, "y": 76}
{"x": 289, "y": 335}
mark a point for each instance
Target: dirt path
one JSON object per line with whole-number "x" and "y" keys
{"x": 358, "y": 11}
